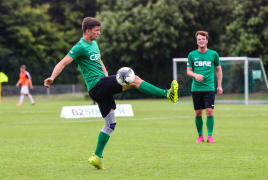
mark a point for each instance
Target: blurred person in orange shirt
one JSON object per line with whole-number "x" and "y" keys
{"x": 25, "y": 81}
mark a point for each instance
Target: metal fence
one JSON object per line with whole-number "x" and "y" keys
{"x": 8, "y": 90}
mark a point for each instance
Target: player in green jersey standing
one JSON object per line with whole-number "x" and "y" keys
{"x": 200, "y": 66}
{"x": 102, "y": 87}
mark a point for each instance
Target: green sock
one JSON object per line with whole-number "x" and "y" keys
{"x": 210, "y": 124}
{"x": 199, "y": 125}
{"x": 151, "y": 90}
{"x": 102, "y": 141}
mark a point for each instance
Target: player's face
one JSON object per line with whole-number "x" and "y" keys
{"x": 94, "y": 33}
{"x": 201, "y": 41}
{"x": 22, "y": 69}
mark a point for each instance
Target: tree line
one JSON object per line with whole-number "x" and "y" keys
{"x": 142, "y": 34}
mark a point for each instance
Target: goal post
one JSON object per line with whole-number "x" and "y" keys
{"x": 244, "y": 80}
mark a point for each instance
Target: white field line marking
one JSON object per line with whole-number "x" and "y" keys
{"x": 92, "y": 120}
{"x": 130, "y": 119}
{"x": 27, "y": 111}
{"x": 174, "y": 109}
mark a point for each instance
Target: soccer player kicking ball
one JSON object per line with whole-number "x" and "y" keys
{"x": 200, "y": 66}
{"x": 25, "y": 81}
{"x": 102, "y": 87}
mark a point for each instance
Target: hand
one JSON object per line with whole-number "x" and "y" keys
{"x": 219, "y": 91}
{"x": 31, "y": 86}
{"x": 47, "y": 82}
{"x": 17, "y": 85}
{"x": 199, "y": 77}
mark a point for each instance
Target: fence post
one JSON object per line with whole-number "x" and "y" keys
{"x": 73, "y": 89}
{"x": 246, "y": 81}
{"x": 48, "y": 92}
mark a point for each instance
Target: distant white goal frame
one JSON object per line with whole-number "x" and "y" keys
{"x": 245, "y": 59}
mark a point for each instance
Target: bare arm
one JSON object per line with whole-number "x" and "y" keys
{"x": 57, "y": 70}
{"x": 31, "y": 84}
{"x": 104, "y": 69}
{"x": 18, "y": 83}
{"x": 198, "y": 77}
{"x": 219, "y": 78}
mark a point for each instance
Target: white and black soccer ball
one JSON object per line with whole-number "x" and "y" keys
{"x": 125, "y": 76}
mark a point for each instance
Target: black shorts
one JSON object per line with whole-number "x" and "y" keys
{"x": 103, "y": 93}
{"x": 203, "y": 99}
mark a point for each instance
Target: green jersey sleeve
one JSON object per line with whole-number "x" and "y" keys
{"x": 76, "y": 51}
{"x": 190, "y": 62}
{"x": 217, "y": 59}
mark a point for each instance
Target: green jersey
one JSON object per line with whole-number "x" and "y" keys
{"x": 87, "y": 56}
{"x": 204, "y": 64}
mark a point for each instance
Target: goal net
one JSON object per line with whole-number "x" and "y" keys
{"x": 244, "y": 80}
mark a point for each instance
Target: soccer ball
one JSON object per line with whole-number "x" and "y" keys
{"x": 125, "y": 76}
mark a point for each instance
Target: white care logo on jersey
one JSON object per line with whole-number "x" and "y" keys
{"x": 95, "y": 57}
{"x": 202, "y": 63}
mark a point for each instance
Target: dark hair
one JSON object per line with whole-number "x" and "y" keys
{"x": 89, "y": 23}
{"x": 203, "y": 33}
{"x": 23, "y": 66}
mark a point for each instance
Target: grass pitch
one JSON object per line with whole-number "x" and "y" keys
{"x": 157, "y": 143}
